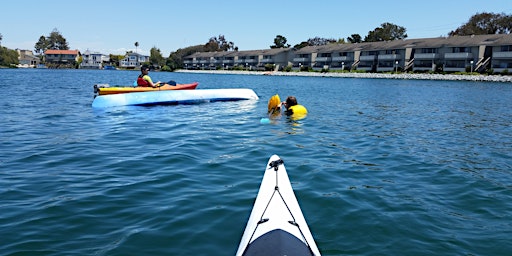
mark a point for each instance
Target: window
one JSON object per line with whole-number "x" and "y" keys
{"x": 460, "y": 49}
{"x": 429, "y": 50}
{"x": 506, "y": 48}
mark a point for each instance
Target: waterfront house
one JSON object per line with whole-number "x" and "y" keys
{"x": 27, "y": 59}
{"x": 61, "y": 58}
{"x": 133, "y": 60}
{"x": 93, "y": 60}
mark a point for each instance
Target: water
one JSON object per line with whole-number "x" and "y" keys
{"x": 380, "y": 167}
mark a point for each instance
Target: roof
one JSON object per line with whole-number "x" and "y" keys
{"x": 436, "y": 42}
{"x": 453, "y": 41}
{"x": 72, "y": 52}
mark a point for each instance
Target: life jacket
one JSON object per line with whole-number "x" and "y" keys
{"x": 142, "y": 82}
{"x": 297, "y": 112}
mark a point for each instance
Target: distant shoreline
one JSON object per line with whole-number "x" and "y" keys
{"x": 409, "y": 76}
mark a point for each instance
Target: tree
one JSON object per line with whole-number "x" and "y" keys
{"x": 280, "y": 42}
{"x": 8, "y": 57}
{"x": 1, "y": 37}
{"x": 54, "y": 41}
{"x": 175, "y": 59}
{"x": 355, "y": 38}
{"x": 315, "y": 42}
{"x": 219, "y": 44}
{"x": 155, "y": 57}
{"x": 484, "y": 24}
{"x": 301, "y": 45}
{"x": 41, "y": 45}
{"x": 115, "y": 59}
{"x": 136, "y": 45}
{"x": 320, "y": 41}
{"x": 386, "y": 32}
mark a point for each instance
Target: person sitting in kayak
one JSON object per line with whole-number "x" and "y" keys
{"x": 144, "y": 79}
{"x": 293, "y": 109}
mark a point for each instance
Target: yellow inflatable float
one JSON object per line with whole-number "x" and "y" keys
{"x": 274, "y": 105}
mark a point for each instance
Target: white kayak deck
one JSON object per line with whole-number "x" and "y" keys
{"x": 276, "y": 218}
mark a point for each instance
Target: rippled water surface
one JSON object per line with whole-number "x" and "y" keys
{"x": 380, "y": 167}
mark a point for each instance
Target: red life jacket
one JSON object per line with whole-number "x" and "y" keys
{"x": 142, "y": 82}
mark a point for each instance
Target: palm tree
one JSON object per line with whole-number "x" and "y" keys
{"x": 136, "y": 45}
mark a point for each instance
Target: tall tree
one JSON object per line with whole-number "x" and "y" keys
{"x": 355, "y": 38}
{"x": 136, "y": 46}
{"x": 280, "y": 42}
{"x": 41, "y": 45}
{"x": 485, "y": 23}
{"x": 155, "y": 57}
{"x": 1, "y": 37}
{"x": 56, "y": 41}
{"x": 386, "y": 32}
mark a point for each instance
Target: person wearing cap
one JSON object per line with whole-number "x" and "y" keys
{"x": 144, "y": 79}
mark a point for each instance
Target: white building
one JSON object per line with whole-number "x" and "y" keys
{"x": 93, "y": 60}
{"x": 133, "y": 60}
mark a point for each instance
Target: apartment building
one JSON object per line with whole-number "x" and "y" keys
{"x": 252, "y": 60}
{"x": 450, "y": 54}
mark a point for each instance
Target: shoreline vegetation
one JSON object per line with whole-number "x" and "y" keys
{"x": 407, "y": 76}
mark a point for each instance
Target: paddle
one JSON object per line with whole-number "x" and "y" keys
{"x": 172, "y": 83}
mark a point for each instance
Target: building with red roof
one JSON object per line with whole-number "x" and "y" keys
{"x": 61, "y": 57}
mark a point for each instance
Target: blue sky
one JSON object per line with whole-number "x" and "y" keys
{"x": 114, "y": 26}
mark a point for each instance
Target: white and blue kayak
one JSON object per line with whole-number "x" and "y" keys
{"x": 173, "y": 97}
{"x": 276, "y": 225}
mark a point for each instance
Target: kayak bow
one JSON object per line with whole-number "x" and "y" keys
{"x": 276, "y": 225}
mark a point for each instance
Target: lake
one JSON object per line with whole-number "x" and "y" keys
{"x": 379, "y": 166}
